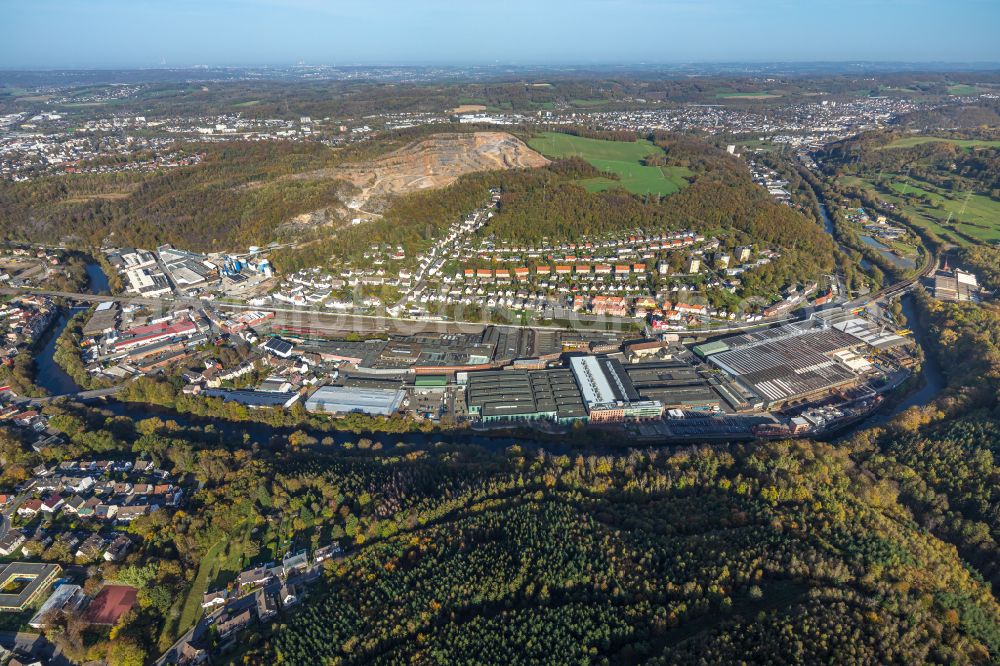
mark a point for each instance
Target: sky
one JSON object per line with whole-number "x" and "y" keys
{"x": 177, "y": 33}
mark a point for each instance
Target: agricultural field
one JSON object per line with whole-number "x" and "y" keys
{"x": 974, "y": 218}
{"x": 747, "y": 95}
{"x": 964, "y": 89}
{"x": 972, "y": 214}
{"x": 586, "y": 103}
{"x": 619, "y": 157}
{"x": 910, "y": 141}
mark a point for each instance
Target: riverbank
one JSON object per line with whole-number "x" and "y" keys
{"x": 49, "y": 375}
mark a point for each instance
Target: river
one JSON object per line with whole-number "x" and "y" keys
{"x": 828, "y": 226}
{"x": 932, "y": 377}
{"x": 97, "y": 281}
{"x": 48, "y": 374}
{"x": 888, "y": 254}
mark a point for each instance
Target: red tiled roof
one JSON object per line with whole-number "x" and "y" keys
{"x": 111, "y": 603}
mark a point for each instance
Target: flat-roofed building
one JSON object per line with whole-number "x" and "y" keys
{"x": 608, "y": 392}
{"x": 185, "y": 268}
{"x": 24, "y": 582}
{"x": 65, "y": 598}
{"x": 102, "y": 321}
{"x": 347, "y": 400}
{"x": 147, "y": 282}
{"x": 254, "y": 399}
{"x": 602, "y": 380}
{"x": 675, "y": 384}
{"x": 524, "y": 395}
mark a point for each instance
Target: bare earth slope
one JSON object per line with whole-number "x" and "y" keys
{"x": 435, "y": 162}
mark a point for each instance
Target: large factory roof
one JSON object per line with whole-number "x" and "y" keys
{"x": 672, "y": 383}
{"x": 602, "y": 380}
{"x": 345, "y": 400}
{"x": 512, "y": 393}
{"x": 869, "y": 334}
{"x": 103, "y": 320}
{"x": 784, "y": 368}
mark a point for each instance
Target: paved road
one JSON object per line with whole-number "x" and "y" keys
{"x": 81, "y": 395}
{"x": 11, "y": 508}
{"x": 384, "y": 324}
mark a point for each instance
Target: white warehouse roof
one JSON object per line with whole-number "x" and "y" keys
{"x": 344, "y": 400}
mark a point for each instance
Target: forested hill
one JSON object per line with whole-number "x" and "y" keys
{"x": 945, "y": 457}
{"x": 786, "y": 553}
{"x": 235, "y": 197}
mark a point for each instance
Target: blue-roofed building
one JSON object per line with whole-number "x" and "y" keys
{"x": 253, "y": 398}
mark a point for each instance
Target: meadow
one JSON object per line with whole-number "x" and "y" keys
{"x": 910, "y": 141}
{"x": 619, "y": 157}
{"x": 747, "y": 95}
{"x": 964, "y": 89}
{"x": 974, "y": 218}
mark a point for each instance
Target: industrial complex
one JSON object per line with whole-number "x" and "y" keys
{"x": 822, "y": 371}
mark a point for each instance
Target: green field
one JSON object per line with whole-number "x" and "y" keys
{"x": 963, "y": 89}
{"x": 974, "y": 218}
{"x": 910, "y": 141}
{"x": 221, "y": 563}
{"x": 619, "y": 157}
{"x": 747, "y": 95}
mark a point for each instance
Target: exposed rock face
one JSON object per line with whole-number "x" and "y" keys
{"x": 435, "y": 162}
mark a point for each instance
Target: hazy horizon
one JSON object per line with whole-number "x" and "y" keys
{"x": 123, "y": 34}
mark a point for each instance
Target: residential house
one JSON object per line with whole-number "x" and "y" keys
{"x": 127, "y": 514}
{"x": 227, "y": 624}
{"x": 288, "y": 594}
{"x": 92, "y": 547}
{"x": 266, "y": 605}
{"x": 73, "y": 504}
{"x": 191, "y": 655}
{"x": 254, "y": 577}
{"x": 213, "y": 600}
{"x": 326, "y": 552}
{"x": 117, "y": 549}
{"x": 11, "y": 542}
{"x": 53, "y": 503}
{"x": 106, "y": 511}
{"x": 29, "y": 507}
{"x": 294, "y": 563}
